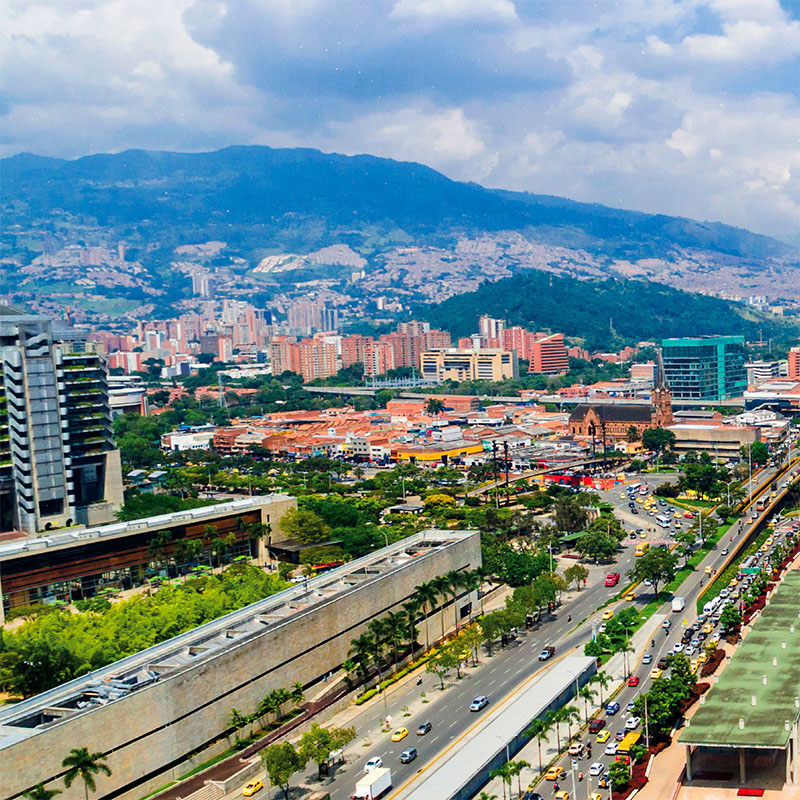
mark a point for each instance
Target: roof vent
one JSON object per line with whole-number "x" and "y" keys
{"x": 752, "y": 700}
{"x": 791, "y": 629}
{"x": 774, "y": 661}
{"x": 763, "y": 681}
{"x": 783, "y": 644}
{"x": 787, "y": 725}
{"x": 741, "y": 724}
{"x": 702, "y": 699}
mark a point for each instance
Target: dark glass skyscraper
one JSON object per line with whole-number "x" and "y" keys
{"x": 705, "y": 367}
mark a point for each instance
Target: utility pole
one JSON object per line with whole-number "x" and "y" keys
{"x": 505, "y": 455}
{"x": 646, "y": 724}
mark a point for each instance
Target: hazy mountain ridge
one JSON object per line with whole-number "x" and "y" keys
{"x": 413, "y": 225}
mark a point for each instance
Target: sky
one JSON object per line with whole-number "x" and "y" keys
{"x": 683, "y": 107}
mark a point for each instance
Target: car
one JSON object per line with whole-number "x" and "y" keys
{"x": 603, "y": 737}
{"x": 629, "y": 707}
{"x": 607, "y": 615}
{"x": 547, "y": 653}
{"x": 480, "y": 702}
{"x": 688, "y": 515}
{"x": 561, "y": 794}
{"x": 702, "y": 658}
{"x": 707, "y": 628}
{"x": 663, "y": 663}
{"x": 632, "y": 535}
{"x": 678, "y": 516}
{"x": 724, "y": 551}
{"x": 596, "y": 725}
{"x": 424, "y": 728}
{"x": 408, "y": 755}
{"x": 373, "y": 763}
{"x": 598, "y": 768}
{"x": 399, "y": 734}
{"x": 611, "y": 749}
{"x": 604, "y": 779}
{"x": 531, "y": 795}
{"x": 612, "y": 708}
{"x": 595, "y": 796}
{"x": 554, "y": 773}
{"x": 689, "y": 650}
{"x": 647, "y": 658}
{"x": 666, "y": 625}
{"x": 612, "y": 579}
{"x": 632, "y": 723}
{"x": 575, "y": 749}
{"x": 634, "y": 511}
{"x": 620, "y": 734}
{"x": 708, "y": 570}
{"x": 725, "y": 593}
{"x": 630, "y": 597}
{"x": 633, "y": 680}
{"x": 656, "y": 673}
{"x": 251, "y": 787}
{"x": 677, "y": 647}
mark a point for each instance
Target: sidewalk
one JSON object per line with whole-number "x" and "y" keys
{"x": 530, "y": 752}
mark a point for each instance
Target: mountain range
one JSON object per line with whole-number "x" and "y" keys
{"x": 102, "y": 233}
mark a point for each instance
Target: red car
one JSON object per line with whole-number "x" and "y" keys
{"x": 633, "y": 680}
{"x": 612, "y": 579}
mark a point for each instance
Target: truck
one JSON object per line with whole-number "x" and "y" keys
{"x": 373, "y": 784}
{"x": 678, "y": 603}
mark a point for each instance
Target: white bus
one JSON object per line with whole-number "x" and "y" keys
{"x": 663, "y": 521}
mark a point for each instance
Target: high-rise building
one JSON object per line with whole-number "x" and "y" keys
{"x": 705, "y": 367}
{"x": 548, "y": 355}
{"x": 793, "y": 366}
{"x": 58, "y": 465}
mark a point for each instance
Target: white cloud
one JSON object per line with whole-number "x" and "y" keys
{"x": 498, "y": 10}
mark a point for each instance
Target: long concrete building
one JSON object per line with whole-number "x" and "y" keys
{"x": 151, "y": 712}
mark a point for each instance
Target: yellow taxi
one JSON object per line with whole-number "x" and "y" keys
{"x": 708, "y": 570}
{"x": 252, "y": 787}
{"x": 603, "y": 737}
{"x": 630, "y": 597}
{"x": 707, "y": 628}
{"x": 595, "y": 796}
{"x": 562, "y": 794}
{"x": 678, "y": 516}
{"x": 554, "y": 773}
{"x": 656, "y": 673}
{"x": 607, "y": 614}
{"x": 695, "y": 664}
{"x": 702, "y": 658}
{"x": 734, "y": 582}
{"x": 399, "y": 734}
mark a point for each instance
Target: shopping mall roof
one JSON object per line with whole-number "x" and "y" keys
{"x": 759, "y": 691}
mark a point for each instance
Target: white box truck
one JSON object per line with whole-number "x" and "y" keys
{"x": 373, "y": 784}
{"x": 678, "y": 603}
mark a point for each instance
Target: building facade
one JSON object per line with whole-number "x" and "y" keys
{"x": 705, "y": 368}
{"x": 58, "y": 465}
{"x": 469, "y": 365}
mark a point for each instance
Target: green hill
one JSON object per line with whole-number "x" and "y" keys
{"x": 606, "y": 313}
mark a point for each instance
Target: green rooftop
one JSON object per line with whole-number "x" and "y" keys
{"x": 716, "y": 722}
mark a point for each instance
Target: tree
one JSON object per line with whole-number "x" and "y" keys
{"x": 237, "y": 720}
{"x": 80, "y": 763}
{"x": 657, "y": 565}
{"x": 586, "y": 693}
{"x": 156, "y": 546}
{"x": 603, "y": 680}
{"x": 560, "y": 717}
{"x": 685, "y": 541}
{"x": 515, "y": 768}
{"x": 281, "y": 761}
{"x": 597, "y": 545}
{"x": 569, "y": 516}
{"x": 441, "y": 662}
{"x": 427, "y": 594}
{"x": 505, "y": 773}
{"x": 318, "y": 743}
{"x": 730, "y": 619}
{"x": 577, "y": 574}
{"x": 539, "y": 729}
{"x": 40, "y": 793}
{"x": 757, "y": 452}
{"x": 304, "y": 526}
{"x": 619, "y": 774}
{"x": 658, "y": 439}
{"x": 360, "y": 653}
{"x": 434, "y": 406}
{"x": 632, "y": 434}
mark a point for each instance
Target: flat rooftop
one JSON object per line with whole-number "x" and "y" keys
{"x": 771, "y": 649}
{"x": 186, "y": 651}
{"x": 78, "y": 535}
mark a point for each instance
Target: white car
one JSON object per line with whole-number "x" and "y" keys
{"x": 611, "y": 749}
{"x": 596, "y": 769}
{"x": 373, "y": 763}
{"x": 690, "y": 650}
{"x": 575, "y": 749}
{"x": 632, "y": 723}
{"x": 677, "y": 647}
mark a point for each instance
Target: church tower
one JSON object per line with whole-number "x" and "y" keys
{"x": 661, "y": 397}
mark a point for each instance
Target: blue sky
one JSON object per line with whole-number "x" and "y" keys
{"x": 685, "y": 107}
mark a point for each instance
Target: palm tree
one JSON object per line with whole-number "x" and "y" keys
{"x": 378, "y": 640}
{"x": 470, "y": 582}
{"x": 484, "y": 576}
{"x": 454, "y": 584}
{"x": 442, "y": 585}
{"x": 586, "y": 693}
{"x": 394, "y": 630}
{"x": 560, "y": 716}
{"x": 296, "y": 693}
{"x": 410, "y": 615}
{"x": 40, "y": 793}
{"x": 80, "y": 763}
{"x": 360, "y": 652}
{"x": 427, "y": 595}
{"x": 624, "y": 648}
{"x": 539, "y": 730}
{"x": 515, "y": 768}
{"x": 505, "y": 774}
{"x": 573, "y": 715}
{"x": 603, "y": 680}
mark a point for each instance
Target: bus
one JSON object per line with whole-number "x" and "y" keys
{"x": 641, "y": 549}
{"x": 629, "y": 741}
{"x": 633, "y": 487}
{"x": 761, "y": 503}
{"x": 663, "y": 521}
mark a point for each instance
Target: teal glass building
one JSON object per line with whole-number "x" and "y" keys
{"x": 705, "y": 367}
